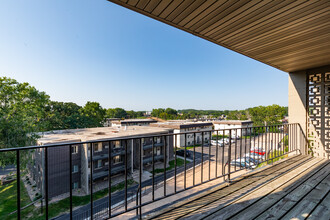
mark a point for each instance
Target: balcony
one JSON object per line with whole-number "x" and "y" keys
{"x": 212, "y": 181}
{"x": 149, "y": 146}
{"x": 105, "y": 173}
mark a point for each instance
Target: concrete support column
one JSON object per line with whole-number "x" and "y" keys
{"x": 298, "y": 106}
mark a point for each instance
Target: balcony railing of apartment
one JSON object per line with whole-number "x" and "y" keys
{"x": 227, "y": 153}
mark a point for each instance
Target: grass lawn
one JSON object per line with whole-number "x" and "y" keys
{"x": 54, "y": 209}
{"x": 8, "y": 198}
{"x": 179, "y": 162}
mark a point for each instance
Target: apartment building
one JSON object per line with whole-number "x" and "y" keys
{"x": 202, "y": 130}
{"x": 239, "y": 126}
{"x": 133, "y": 122}
{"x": 129, "y": 145}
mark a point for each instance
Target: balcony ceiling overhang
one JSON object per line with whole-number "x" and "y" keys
{"x": 288, "y": 35}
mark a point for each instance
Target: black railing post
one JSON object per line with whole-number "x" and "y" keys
{"x": 254, "y": 142}
{"x": 223, "y": 156}
{"x": 153, "y": 169}
{"x": 70, "y": 161}
{"x": 240, "y": 144}
{"x": 234, "y": 149}
{"x": 216, "y": 155}
{"x": 126, "y": 174}
{"x": 194, "y": 159}
{"x": 245, "y": 141}
{"x": 91, "y": 171}
{"x": 18, "y": 174}
{"x": 202, "y": 157}
{"x": 250, "y": 140}
{"x": 165, "y": 145}
{"x": 209, "y": 144}
{"x": 266, "y": 145}
{"x": 185, "y": 152}
{"x": 109, "y": 176}
{"x": 46, "y": 181}
{"x": 175, "y": 149}
{"x": 229, "y": 155}
{"x": 140, "y": 179}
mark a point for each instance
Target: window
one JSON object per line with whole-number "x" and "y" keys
{"x": 75, "y": 169}
{"x": 116, "y": 159}
{"x": 74, "y": 149}
{"x": 75, "y": 185}
{"x": 97, "y": 147}
{"x": 99, "y": 164}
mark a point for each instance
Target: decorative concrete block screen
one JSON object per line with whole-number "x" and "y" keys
{"x": 318, "y": 117}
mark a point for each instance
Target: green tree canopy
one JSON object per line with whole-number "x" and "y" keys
{"x": 269, "y": 115}
{"x": 116, "y": 113}
{"x": 22, "y": 113}
{"x": 94, "y": 113}
{"x": 66, "y": 115}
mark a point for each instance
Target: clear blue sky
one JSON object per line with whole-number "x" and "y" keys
{"x": 79, "y": 51}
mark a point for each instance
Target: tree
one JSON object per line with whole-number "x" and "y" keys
{"x": 270, "y": 115}
{"x": 22, "y": 113}
{"x": 94, "y": 114}
{"x": 237, "y": 115}
{"x": 157, "y": 112}
{"x": 66, "y": 115}
{"x": 116, "y": 113}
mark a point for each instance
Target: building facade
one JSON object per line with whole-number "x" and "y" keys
{"x": 241, "y": 128}
{"x": 202, "y": 132}
{"x": 123, "y": 154}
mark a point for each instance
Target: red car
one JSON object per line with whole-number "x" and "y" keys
{"x": 259, "y": 151}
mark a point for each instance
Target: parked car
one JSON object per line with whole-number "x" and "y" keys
{"x": 225, "y": 140}
{"x": 241, "y": 162}
{"x": 213, "y": 142}
{"x": 250, "y": 159}
{"x": 181, "y": 153}
{"x": 260, "y": 151}
{"x": 255, "y": 155}
{"x": 220, "y": 143}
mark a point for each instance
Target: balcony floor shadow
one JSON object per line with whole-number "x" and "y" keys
{"x": 297, "y": 187}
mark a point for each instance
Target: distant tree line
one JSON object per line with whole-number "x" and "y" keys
{"x": 261, "y": 115}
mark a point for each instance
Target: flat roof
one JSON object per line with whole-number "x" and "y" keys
{"x": 180, "y": 125}
{"x": 138, "y": 120}
{"x": 233, "y": 122}
{"x": 288, "y": 35}
{"x": 90, "y": 134}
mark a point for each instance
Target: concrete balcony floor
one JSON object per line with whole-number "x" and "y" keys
{"x": 295, "y": 188}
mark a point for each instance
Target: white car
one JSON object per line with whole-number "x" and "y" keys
{"x": 213, "y": 142}
{"x": 241, "y": 162}
{"x": 226, "y": 140}
{"x": 220, "y": 143}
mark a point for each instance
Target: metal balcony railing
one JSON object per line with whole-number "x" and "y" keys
{"x": 230, "y": 151}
